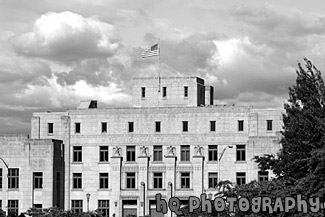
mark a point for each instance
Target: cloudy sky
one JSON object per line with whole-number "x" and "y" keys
{"x": 55, "y": 53}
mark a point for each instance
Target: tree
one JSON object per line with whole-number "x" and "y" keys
{"x": 302, "y": 157}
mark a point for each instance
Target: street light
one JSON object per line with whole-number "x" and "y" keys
{"x": 144, "y": 198}
{"x": 88, "y": 197}
{"x": 4, "y": 162}
{"x": 219, "y": 159}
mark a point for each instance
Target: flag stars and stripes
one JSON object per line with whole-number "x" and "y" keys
{"x": 150, "y": 51}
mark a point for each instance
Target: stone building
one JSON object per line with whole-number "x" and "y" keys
{"x": 31, "y": 173}
{"x": 169, "y": 142}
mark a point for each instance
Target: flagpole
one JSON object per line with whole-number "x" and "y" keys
{"x": 159, "y": 65}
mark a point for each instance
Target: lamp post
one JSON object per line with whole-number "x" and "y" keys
{"x": 88, "y": 197}
{"x": 219, "y": 159}
{"x": 144, "y": 198}
{"x": 4, "y": 162}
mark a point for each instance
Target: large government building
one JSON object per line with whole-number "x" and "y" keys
{"x": 173, "y": 141}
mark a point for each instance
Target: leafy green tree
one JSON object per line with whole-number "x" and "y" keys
{"x": 2, "y": 213}
{"x": 302, "y": 157}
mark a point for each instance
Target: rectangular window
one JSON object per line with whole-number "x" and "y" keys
{"x": 269, "y": 125}
{"x": 143, "y": 92}
{"x": 185, "y": 91}
{"x": 263, "y": 176}
{"x": 38, "y": 180}
{"x": 103, "y": 208}
{"x": 130, "y": 153}
{"x": 77, "y": 127}
{"x": 103, "y": 180}
{"x": 157, "y": 180}
{"x": 241, "y": 178}
{"x": 130, "y": 180}
{"x": 185, "y": 153}
{"x": 77, "y": 180}
{"x": 0, "y": 178}
{"x": 185, "y": 126}
{"x": 164, "y": 93}
{"x": 131, "y": 126}
{"x": 13, "y": 208}
{"x": 185, "y": 180}
{"x": 50, "y": 128}
{"x": 37, "y": 206}
{"x": 157, "y": 126}
{"x": 77, "y": 153}
{"x": 13, "y": 178}
{"x": 157, "y": 153}
{"x": 240, "y": 152}
{"x": 212, "y": 126}
{"x": 213, "y": 153}
{"x": 103, "y": 153}
{"x": 104, "y": 127}
{"x": 213, "y": 180}
{"x": 241, "y": 125}
{"x": 76, "y": 206}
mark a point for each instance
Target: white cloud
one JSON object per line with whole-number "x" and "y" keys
{"x": 67, "y": 37}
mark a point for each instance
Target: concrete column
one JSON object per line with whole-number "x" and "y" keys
{"x": 143, "y": 207}
{"x": 198, "y": 175}
{"x": 170, "y": 178}
{"x": 115, "y": 177}
{"x": 65, "y": 122}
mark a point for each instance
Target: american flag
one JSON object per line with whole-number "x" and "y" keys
{"x": 151, "y": 51}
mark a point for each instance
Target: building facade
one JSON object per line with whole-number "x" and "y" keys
{"x": 172, "y": 141}
{"x": 31, "y": 173}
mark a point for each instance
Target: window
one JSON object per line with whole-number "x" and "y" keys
{"x": 0, "y": 204}
{"x": 0, "y": 178}
{"x": 213, "y": 153}
{"x": 185, "y": 180}
{"x": 130, "y": 153}
{"x": 37, "y": 206}
{"x": 103, "y": 153}
{"x": 263, "y": 176}
{"x": 157, "y": 180}
{"x": 157, "y": 153}
{"x": 13, "y": 178}
{"x": 241, "y": 178}
{"x": 77, "y": 127}
{"x": 143, "y": 92}
{"x": 103, "y": 180}
{"x": 185, "y": 126}
{"x": 77, "y": 180}
{"x": 131, "y": 127}
{"x": 241, "y": 125}
{"x": 213, "y": 180}
{"x": 13, "y": 208}
{"x": 104, "y": 127}
{"x": 164, "y": 93}
{"x": 269, "y": 125}
{"x": 240, "y": 153}
{"x": 212, "y": 126}
{"x": 76, "y": 206}
{"x": 185, "y": 91}
{"x": 50, "y": 128}
{"x": 77, "y": 154}
{"x": 103, "y": 208}
{"x": 38, "y": 180}
{"x": 130, "y": 180}
{"x": 157, "y": 126}
{"x": 185, "y": 153}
